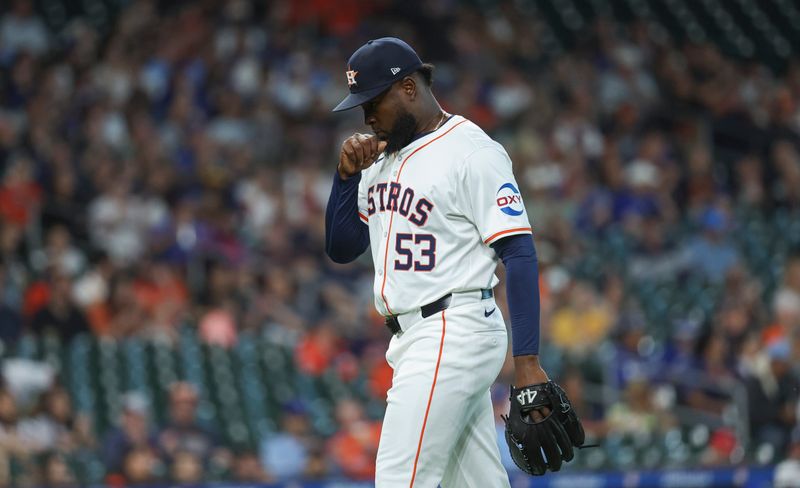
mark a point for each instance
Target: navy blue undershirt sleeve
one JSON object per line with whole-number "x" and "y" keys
{"x": 346, "y": 236}
{"x": 522, "y": 290}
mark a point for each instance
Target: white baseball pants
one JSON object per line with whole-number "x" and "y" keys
{"x": 439, "y": 428}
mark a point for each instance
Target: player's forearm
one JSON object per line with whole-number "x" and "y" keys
{"x": 346, "y": 237}
{"x": 522, "y": 291}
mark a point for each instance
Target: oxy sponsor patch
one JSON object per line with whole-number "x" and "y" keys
{"x": 509, "y": 200}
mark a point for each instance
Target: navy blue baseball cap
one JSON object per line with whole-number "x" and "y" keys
{"x": 374, "y": 67}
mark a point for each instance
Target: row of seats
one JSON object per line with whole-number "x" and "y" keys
{"x": 243, "y": 390}
{"x": 767, "y": 30}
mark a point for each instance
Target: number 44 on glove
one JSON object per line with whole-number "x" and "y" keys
{"x": 539, "y": 445}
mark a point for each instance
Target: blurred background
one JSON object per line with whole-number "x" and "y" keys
{"x": 168, "y": 315}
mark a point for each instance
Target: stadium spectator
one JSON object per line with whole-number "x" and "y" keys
{"x": 218, "y": 325}
{"x": 656, "y": 256}
{"x": 140, "y": 467}
{"x": 316, "y": 351}
{"x": 60, "y": 317}
{"x": 248, "y": 469}
{"x": 134, "y": 432}
{"x": 119, "y": 220}
{"x": 722, "y": 448}
{"x": 22, "y": 30}
{"x": 59, "y": 253}
{"x": 183, "y": 433}
{"x": 13, "y": 442}
{"x": 589, "y": 407}
{"x": 786, "y": 311}
{"x": 64, "y": 207}
{"x": 10, "y": 318}
{"x": 787, "y": 472}
{"x": 710, "y": 376}
{"x": 20, "y": 194}
{"x": 57, "y": 472}
{"x": 636, "y": 414}
{"x": 630, "y": 359}
{"x": 744, "y": 289}
{"x": 701, "y": 187}
{"x": 127, "y": 318}
{"x": 732, "y": 320}
{"x": 380, "y": 373}
{"x": 786, "y": 304}
{"x": 786, "y": 161}
{"x": 54, "y": 426}
{"x": 638, "y": 198}
{"x": 355, "y": 445}
{"x": 773, "y": 397}
{"x": 710, "y": 253}
{"x": 582, "y": 322}
{"x": 285, "y": 454}
{"x": 681, "y": 350}
{"x": 750, "y": 191}
{"x": 162, "y": 297}
{"x": 186, "y": 468}
{"x": 17, "y": 274}
{"x": 92, "y": 292}
{"x": 791, "y": 274}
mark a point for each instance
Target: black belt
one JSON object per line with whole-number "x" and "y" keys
{"x": 427, "y": 310}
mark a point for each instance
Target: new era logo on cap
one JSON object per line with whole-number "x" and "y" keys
{"x": 374, "y": 67}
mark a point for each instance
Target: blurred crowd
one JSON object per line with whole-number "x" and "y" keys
{"x": 172, "y": 171}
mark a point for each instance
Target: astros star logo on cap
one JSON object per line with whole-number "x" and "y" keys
{"x": 351, "y": 77}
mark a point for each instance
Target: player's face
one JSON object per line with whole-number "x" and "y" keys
{"x": 390, "y": 119}
{"x": 378, "y": 114}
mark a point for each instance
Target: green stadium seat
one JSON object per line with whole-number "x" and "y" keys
{"x": 650, "y": 457}
{"x": 207, "y": 412}
{"x": 53, "y": 352}
{"x": 594, "y": 459}
{"x": 190, "y": 358}
{"x": 134, "y": 366}
{"x": 27, "y": 347}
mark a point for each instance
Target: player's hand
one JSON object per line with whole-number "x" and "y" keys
{"x": 358, "y": 153}
{"x": 528, "y": 371}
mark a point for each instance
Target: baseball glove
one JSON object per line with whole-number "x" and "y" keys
{"x": 539, "y": 445}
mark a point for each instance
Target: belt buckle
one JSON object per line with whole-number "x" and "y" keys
{"x": 393, "y": 324}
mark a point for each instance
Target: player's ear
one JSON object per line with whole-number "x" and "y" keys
{"x": 409, "y": 87}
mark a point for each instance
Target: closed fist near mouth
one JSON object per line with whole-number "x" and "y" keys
{"x": 358, "y": 153}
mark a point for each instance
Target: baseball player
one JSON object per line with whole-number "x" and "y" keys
{"x": 436, "y": 201}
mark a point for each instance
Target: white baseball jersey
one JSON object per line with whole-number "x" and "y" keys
{"x": 433, "y": 209}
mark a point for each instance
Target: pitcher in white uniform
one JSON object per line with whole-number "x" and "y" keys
{"x": 436, "y": 201}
